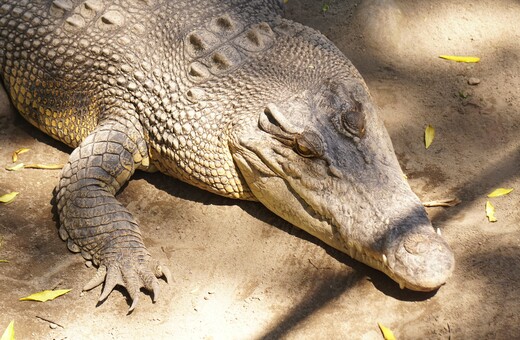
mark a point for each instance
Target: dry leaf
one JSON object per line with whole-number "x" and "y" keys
{"x": 429, "y": 134}
{"x": 460, "y": 58}
{"x": 490, "y": 212}
{"x": 18, "y": 152}
{"x": 44, "y": 166}
{"x": 15, "y": 167}
{"x": 448, "y": 202}
{"x": 387, "y": 333}
{"x": 9, "y": 332}
{"x": 45, "y": 295}
{"x": 8, "y": 198}
{"x": 500, "y": 192}
{"x": 4, "y": 261}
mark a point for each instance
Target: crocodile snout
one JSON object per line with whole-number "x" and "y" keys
{"x": 421, "y": 260}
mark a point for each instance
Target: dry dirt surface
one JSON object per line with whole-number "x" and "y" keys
{"x": 243, "y": 273}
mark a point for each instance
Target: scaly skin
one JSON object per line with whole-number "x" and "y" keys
{"x": 227, "y": 96}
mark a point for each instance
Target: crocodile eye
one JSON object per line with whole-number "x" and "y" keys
{"x": 353, "y": 119}
{"x": 303, "y": 151}
{"x": 308, "y": 145}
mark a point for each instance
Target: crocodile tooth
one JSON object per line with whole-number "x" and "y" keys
{"x": 385, "y": 259}
{"x": 438, "y": 231}
{"x": 401, "y": 285}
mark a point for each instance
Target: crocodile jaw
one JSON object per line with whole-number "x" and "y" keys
{"x": 353, "y": 197}
{"x": 413, "y": 254}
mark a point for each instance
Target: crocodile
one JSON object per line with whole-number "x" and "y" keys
{"x": 226, "y": 95}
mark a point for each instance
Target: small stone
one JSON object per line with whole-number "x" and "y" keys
{"x": 473, "y": 81}
{"x": 53, "y": 326}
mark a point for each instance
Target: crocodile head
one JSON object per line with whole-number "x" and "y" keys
{"x": 317, "y": 155}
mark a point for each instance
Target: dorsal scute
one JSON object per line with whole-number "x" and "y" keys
{"x": 222, "y": 45}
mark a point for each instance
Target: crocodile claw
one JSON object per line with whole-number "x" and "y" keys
{"x": 132, "y": 276}
{"x": 98, "y": 279}
{"x": 113, "y": 278}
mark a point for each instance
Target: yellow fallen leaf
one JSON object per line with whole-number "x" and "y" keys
{"x": 460, "y": 58}
{"x": 500, "y": 192}
{"x": 18, "y": 152}
{"x": 8, "y": 198}
{"x": 9, "y": 332}
{"x": 44, "y": 166}
{"x": 429, "y": 134}
{"x": 15, "y": 167}
{"x": 4, "y": 261}
{"x": 387, "y": 333}
{"x": 45, "y": 295}
{"x": 490, "y": 212}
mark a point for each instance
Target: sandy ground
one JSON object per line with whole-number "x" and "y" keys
{"x": 243, "y": 273}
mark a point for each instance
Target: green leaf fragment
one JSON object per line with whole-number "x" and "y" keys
{"x": 463, "y": 94}
{"x": 325, "y": 8}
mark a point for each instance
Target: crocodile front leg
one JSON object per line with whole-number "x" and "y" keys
{"x": 94, "y": 223}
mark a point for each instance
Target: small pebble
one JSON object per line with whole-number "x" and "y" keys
{"x": 473, "y": 81}
{"x": 53, "y": 326}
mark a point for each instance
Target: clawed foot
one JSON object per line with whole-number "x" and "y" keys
{"x": 132, "y": 275}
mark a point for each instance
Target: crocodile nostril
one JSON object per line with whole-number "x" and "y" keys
{"x": 416, "y": 244}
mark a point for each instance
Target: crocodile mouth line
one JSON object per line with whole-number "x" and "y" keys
{"x": 329, "y": 231}
{"x": 350, "y": 247}
{"x": 358, "y": 252}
